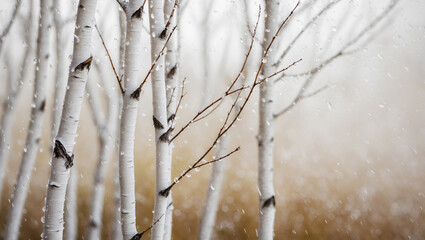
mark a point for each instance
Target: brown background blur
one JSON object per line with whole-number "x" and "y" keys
{"x": 349, "y": 162}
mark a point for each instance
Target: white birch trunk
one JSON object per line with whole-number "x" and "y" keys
{"x": 62, "y": 159}
{"x": 14, "y": 87}
{"x": 266, "y": 130}
{"x": 162, "y": 133}
{"x": 208, "y": 218}
{"x": 116, "y": 228}
{"x": 171, "y": 83}
{"x": 71, "y": 210}
{"x": 129, "y": 117}
{"x": 36, "y": 124}
{"x": 106, "y": 130}
{"x": 61, "y": 69}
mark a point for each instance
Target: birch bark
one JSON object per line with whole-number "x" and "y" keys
{"x": 116, "y": 229}
{"x": 266, "y": 130}
{"x": 129, "y": 116}
{"x": 162, "y": 132}
{"x": 62, "y": 159}
{"x": 208, "y": 218}
{"x": 106, "y": 130}
{"x": 36, "y": 123}
{"x": 71, "y": 206}
{"x": 171, "y": 82}
{"x": 14, "y": 87}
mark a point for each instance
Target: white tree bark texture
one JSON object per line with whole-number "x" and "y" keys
{"x": 62, "y": 158}
{"x": 13, "y": 91}
{"x": 106, "y": 130}
{"x": 71, "y": 206}
{"x": 116, "y": 228}
{"x": 172, "y": 90}
{"x": 36, "y": 123}
{"x": 129, "y": 116}
{"x": 266, "y": 130}
{"x": 208, "y": 218}
{"x": 162, "y": 132}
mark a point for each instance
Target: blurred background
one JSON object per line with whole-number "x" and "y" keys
{"x": 349, "y": 161}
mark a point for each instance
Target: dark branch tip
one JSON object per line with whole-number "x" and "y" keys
{"x": 163, "y": 34}
{"x": 137, "y": 236}
{"x": 136, "y": 94}
{"x": 43, "y": 105}
{"x": 137, "y": 14}
{"x": 165, "y": 192}
{"x": 157, "y": 124}
{"x": 84, "y": 65}
{"x": 269, "y": 202}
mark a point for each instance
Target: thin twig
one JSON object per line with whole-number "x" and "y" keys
{"x": 225, "y": 128}
{"x": 219, "y": 159}
{"x": 182, "y": 94}
{"x": 198, "y": 117}
{"x": 110, "y": 59}
{"x": 167, "y": 25}
{"x": 284, "y": 69}
{"x": 155, "y": 62}
{"x": 140, "y": 235}
{"x": 313, "y": 20}
{"x": 343, "y": 51}
{"x": 249, "y": 51}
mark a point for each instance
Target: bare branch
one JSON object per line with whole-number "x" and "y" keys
{"x": 167, "y": 25}
{"x": 343, "y": 51}
{"x": 9, "y": 24}
{"x": 155, "y": 62}
{"x": 110, "y": 59}
{"x": 140, "y": 235}
{"x": 249, "y": 51}
{"x": 225, "y": 128}
{"x": 301, "y": 96}
{"x": 313, "y": 20}
{"x": 220, "y": 158}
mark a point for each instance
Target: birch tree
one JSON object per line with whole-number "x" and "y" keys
{"x": 14, "y": 86}
{"x": 9, "y": 23}
{"x": 171, "y": 82}
{"x": 106, "y": 124}
{"x": 133, "y": 10}
{"x": 35, "y": 125}
{"x": 266, "y": 132}
{"x": 159, "y": 31}
{"x": 62, "y": 158}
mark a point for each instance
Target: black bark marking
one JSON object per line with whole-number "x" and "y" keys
{"x": 137, "y": 236}
{"x": 171, "y": 117}
{"x": 157, "y": 124}
{"x": 163, "y": 33}
{"x": 60, "y": 152}
{"x": 272, "y": 139}
{"x": 80, "y": 6}
{"x": 137, "y": 14}
{"x": 269, "y": 202}
{"x": 53, "y": 185}
{"x": 37, "y": 140}
{"x": 136, "y": 94}
{"x": 165, "y": 192}
{"x": 172, "y": 71}
{"x": 165, "y": 137}
{"x": 46, "y": 56}
{"x": 85, "y": 64}
{"x": 93, "y": 223}
{"x": 43, "y": 105}
{"x": 87, "y": 26}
